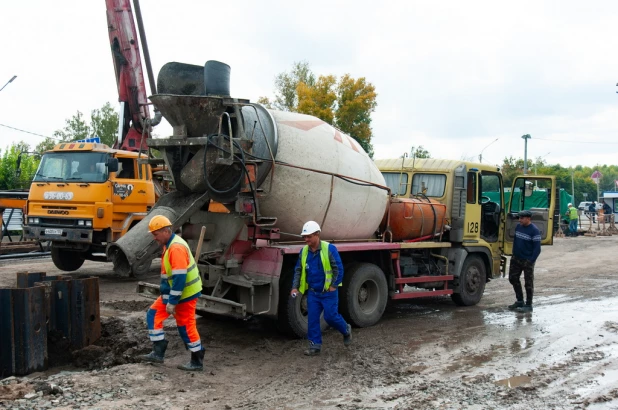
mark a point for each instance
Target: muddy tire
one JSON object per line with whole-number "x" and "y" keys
{"x": 292, "y": 317}
{"x": 363, "y": 295}
{"x": 67, "y": 260}
{"x": 471, "y": 282}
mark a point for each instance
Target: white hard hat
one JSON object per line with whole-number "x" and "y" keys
{"x": 570, "y": 204}
{"x": 309, "y": 228}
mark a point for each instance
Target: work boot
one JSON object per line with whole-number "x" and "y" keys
{"x": 196, "y": 363}
{"x": 347, "y": 338}
{"x": 517, "y": 304}
{"x": 158, "y": 352}
{"x": 524, "y": 309}
{"x": 313, "y": 350}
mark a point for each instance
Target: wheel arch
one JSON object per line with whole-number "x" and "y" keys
{"x": 459, "y": 256}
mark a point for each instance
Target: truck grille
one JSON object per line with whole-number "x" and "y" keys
{"x": 58, "y": 222}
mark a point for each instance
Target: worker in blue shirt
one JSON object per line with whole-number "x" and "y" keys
{"x": 318, "y": 273}
{"x": 526, "y": 249}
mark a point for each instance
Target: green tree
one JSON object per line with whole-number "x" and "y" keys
{"x": 345, "y": 103}
{"x": 103, "y": 123}
{"x": 421, "y": 152}
{"x": 10, "y": 178}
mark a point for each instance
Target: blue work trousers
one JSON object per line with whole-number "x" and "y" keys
{"x": 329, "y": 303}
{"x": 573, "y": 226}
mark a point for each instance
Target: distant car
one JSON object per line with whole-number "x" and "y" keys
{"x": 583, "y": 206}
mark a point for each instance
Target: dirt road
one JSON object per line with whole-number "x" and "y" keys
{"x": 427, "y": 355}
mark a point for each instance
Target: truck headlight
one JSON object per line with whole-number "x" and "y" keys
{"x": 80, "y": 222}
{"x": 33, "y": 220}
{"x": 88, "y": 223}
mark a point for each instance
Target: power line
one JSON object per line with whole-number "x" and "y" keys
{"x": 576, "y": 142}
{"x": 28, "y": 132}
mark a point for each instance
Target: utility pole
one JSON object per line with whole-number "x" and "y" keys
{"x": 526, "y": 137}
{"x": 573, "y": 187}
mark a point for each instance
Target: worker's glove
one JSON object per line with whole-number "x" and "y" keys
{"x": 171, "y": 309}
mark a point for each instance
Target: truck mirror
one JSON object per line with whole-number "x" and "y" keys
{"x": 528, "y": 189}
{"x": 112, "y": 164}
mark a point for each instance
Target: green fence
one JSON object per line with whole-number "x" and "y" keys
{"x": 538, "y": 199}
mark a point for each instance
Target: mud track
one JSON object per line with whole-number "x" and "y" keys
{"x": 427, "y": 355}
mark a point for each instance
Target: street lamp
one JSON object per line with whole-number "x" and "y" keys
{"x": 526, "y": 137}
{"x": 7, "y": 83}
{"x": 481, "y": 154}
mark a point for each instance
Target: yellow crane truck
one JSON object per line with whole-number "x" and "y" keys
{"x": 85, "y": 196}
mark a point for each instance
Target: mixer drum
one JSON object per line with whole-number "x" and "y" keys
{"x": 413, "y": 218}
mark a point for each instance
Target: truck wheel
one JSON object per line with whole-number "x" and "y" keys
{"x": 292, "y": 317}
{"x": 471, "y": 282}
{"x": 66, "y": 260}
{"x": 364, "y": 294}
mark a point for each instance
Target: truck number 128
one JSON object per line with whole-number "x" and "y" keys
{"x": 473, "y": 227}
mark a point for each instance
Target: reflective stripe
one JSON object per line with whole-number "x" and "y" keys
{"x": 196, "y": 348}
{"x": 165, "y": 297}
{"x": 179, "y": 272}
{"x": 193, "y": 281}
{"x": 193, "y": 344}
{"x": 175, "y": 292}
{"x": 157, "y": 338}
{"x": 164, "y": 276}
{"x": 155, "y": 332}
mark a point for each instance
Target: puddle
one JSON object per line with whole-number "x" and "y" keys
{"x": 514, "y": 381}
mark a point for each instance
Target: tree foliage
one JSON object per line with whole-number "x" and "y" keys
{"x": 420, "y": 152}
{"x": 16, "y": 157}
{"x": 345, "y": 103}
{"x": 103, "y": 123}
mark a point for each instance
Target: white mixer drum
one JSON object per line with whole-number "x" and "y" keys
{"x": 344, "y": 210}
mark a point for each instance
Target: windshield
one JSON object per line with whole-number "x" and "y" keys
{"x": 72, "y": 167}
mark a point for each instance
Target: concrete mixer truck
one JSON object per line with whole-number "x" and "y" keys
{"x": 404, "y": 228}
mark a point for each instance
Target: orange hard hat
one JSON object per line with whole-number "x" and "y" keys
{"x": 158, "y": 222}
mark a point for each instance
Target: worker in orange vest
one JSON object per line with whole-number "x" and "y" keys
{"x": 181, "y": 285}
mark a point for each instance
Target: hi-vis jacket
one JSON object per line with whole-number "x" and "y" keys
{"x": 318, "y": 270}
{"x": 180, "y": 277}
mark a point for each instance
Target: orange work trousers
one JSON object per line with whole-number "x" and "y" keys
{"x": 185, "y": 322}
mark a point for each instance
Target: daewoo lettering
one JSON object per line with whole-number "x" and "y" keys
{"x": 58, "y": 212}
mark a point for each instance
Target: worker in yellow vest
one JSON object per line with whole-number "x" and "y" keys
{"x": 181, "y": 285}
{"x": 573, "y": 217}
{"x": 319, "y": 272}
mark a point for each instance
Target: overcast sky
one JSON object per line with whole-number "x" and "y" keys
{"x": 452, "y": 76}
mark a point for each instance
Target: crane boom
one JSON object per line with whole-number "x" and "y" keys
{"x": 129, "y": 75}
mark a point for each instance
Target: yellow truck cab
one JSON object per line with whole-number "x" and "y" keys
{"x": 481, "y": 213}
{"x": 85, "y": 196}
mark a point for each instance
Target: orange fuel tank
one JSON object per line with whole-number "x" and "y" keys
{"x": 413, "y": 218}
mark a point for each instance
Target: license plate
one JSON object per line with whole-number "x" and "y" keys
{"x": 53, "y": 231}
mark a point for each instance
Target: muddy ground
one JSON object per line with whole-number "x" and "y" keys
{"x": 429, "y": 354}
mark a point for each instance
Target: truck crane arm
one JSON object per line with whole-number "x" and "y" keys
{"x": 134, "y": 113}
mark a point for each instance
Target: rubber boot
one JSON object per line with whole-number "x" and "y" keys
{"x": 347, "y": 338}
{"x": 524, "y": 309}
{"x": 196, "y": 363}
{"x": 158, "y": 352}
{"x": 518, "y": 304}
{"x": 313, "y": 350}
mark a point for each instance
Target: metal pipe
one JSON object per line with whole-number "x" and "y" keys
{"x": 25, "y": 255}
{"x": 142, "y": 35}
